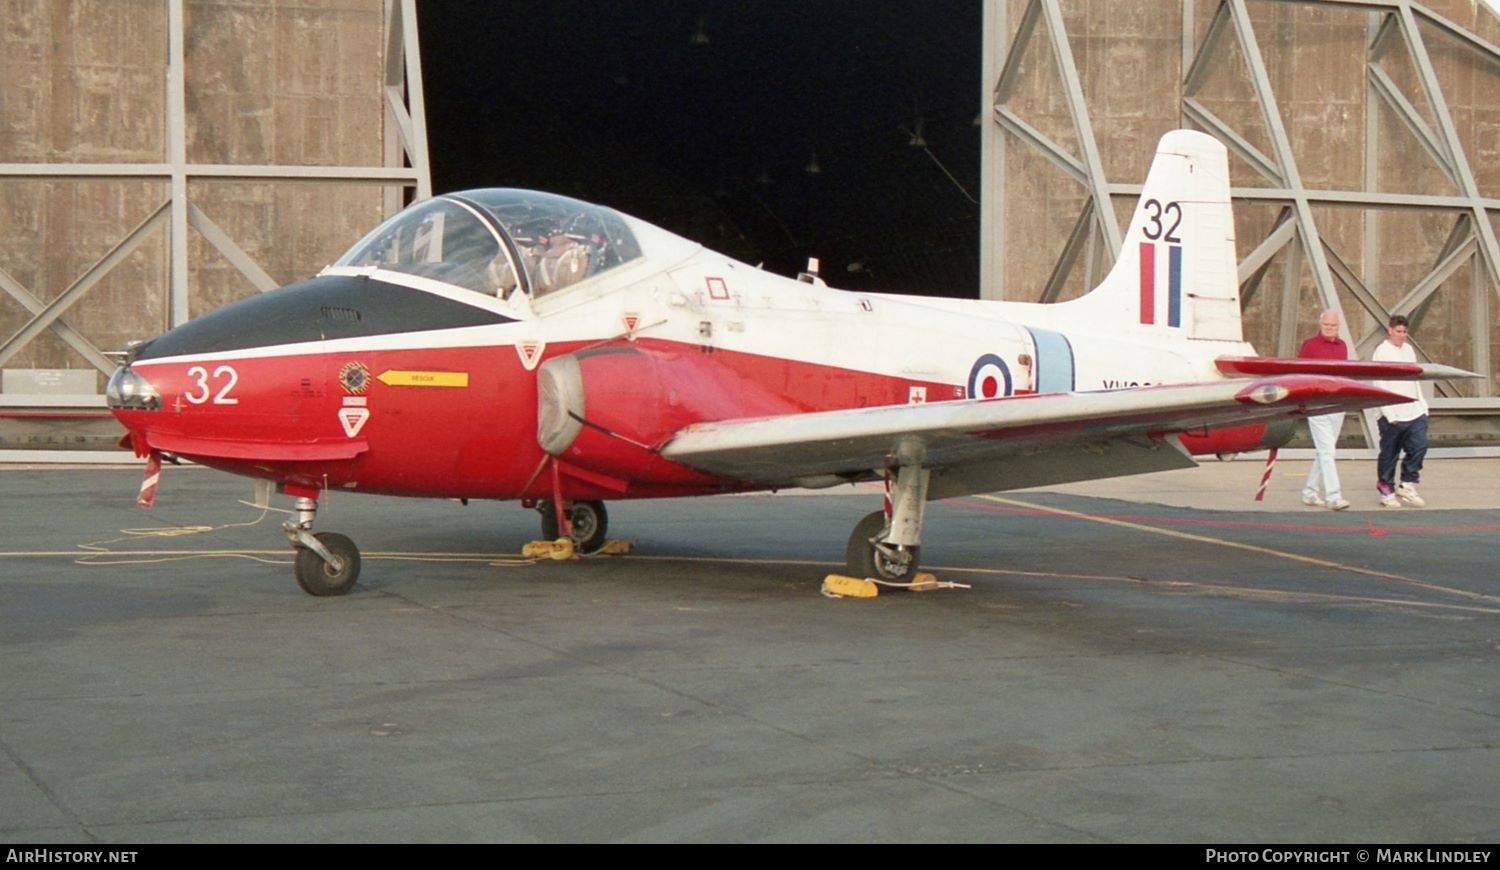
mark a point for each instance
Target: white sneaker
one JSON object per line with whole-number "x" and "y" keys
{"x": 1338, "y": 504}
{"x": 1407, "y": 492}
{"x": 1388, "y": 499}
{"x": 1312, "y": 501}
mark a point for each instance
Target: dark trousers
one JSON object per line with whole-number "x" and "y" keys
{"x": 1397, "y": 438}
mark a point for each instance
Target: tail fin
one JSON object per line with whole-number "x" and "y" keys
{"x": 1177, "y": 270}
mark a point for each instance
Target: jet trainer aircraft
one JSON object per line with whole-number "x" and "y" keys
{"x": 505, "y": 344}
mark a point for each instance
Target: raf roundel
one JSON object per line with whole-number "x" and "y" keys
{"x": 989, "y": 378}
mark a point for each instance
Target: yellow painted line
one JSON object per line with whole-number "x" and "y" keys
{"x": 101, "y": 558}
{"x": 1253, "y": 548}
{"x": 97, "y": 557}
{"x": 397, "y": 378}
{"x": 1248, "y": 592}
{"x": 729, "y": 560}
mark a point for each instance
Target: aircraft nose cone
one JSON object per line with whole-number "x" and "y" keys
{"x": 134, "y": 401}
{"x": 127, "y": 390}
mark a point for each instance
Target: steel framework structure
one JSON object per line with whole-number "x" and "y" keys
{"x": 1296, "y": 234}
{"x": 405, "y": 168}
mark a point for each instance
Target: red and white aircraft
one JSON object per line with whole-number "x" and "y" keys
{"x": 505, "y": 344}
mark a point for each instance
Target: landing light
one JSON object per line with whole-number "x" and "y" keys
{"x": 1269, "y": 394}
{"x": 129, "y": 391}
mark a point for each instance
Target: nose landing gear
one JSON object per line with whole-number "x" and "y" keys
{"x": 327, "y": 562}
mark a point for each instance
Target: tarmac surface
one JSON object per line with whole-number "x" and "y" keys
{"x": 1152, "y": 659}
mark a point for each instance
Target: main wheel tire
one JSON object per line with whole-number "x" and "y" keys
{"x": 589, "y": 519}
{"x": 316, "y": 577}
{"x": 864, "y": 560}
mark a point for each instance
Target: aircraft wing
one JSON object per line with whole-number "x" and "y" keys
{"x": 1010, "y": 443}
{"x": 1390, "y": 370}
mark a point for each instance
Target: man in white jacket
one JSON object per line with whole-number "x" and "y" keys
{"x": 1403, "y": 427}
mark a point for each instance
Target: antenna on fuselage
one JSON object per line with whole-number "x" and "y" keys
{"x": 811, "y": 275}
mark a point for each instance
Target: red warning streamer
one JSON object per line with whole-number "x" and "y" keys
{"x": 1265, "y": 477}
{"x": 153, "y": 477}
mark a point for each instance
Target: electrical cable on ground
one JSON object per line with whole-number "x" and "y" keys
{"x": 100, "y": 553}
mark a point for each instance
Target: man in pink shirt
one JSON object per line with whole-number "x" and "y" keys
{"x": 1326, "y": 427}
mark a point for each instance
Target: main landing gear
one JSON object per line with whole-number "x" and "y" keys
{"x": 587, "y": 523}
{"x": 887, "y": 547}
{"x": 327, "y": 562}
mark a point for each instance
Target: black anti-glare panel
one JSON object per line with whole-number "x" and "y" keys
{"x": 318, "y": 309}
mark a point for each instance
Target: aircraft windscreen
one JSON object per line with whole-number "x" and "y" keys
{"x": 441, "y": 240}
{"x": 453, "y": 239}
{"x": 561, "y": 241}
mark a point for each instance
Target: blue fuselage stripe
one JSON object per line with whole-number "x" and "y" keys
{"x": 1054, "y": 361}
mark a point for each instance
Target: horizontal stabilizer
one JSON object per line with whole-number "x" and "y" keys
{"x": 1261, "y": 366}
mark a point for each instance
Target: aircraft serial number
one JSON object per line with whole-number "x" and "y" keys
{"x": 1157, "y": 229}
{"x": 202, "y": 391}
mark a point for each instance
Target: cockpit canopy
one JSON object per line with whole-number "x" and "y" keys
{"x": 499, "y": 241}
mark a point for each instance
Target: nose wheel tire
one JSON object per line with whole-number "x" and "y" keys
{"x": 883, "y": 561}
{"x": 317, "y": 577}
{"x": 589, "y": 520}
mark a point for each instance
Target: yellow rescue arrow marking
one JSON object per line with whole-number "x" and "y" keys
{"x": 393, "y": 378}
